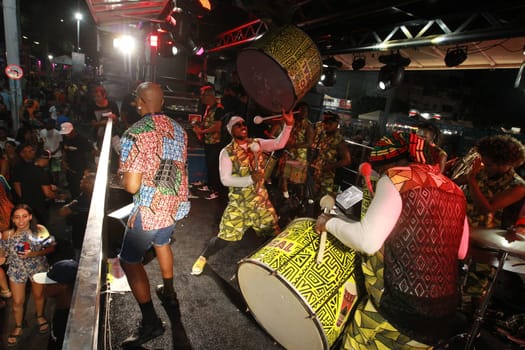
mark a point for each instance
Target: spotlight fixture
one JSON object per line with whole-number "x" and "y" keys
{"x": 456, "y": 56}
{"x": 389, "y": 76}
{"x": 195, "y": 49}
{"x": 359, "y": 62}
{"x": 328, "y": 76}
{"x": 393, "y": 72}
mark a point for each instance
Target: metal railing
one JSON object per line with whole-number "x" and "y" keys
{"x": 82, "y": 330}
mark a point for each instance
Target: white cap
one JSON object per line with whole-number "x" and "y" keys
{"x": 66, "y": 128}
{"x": 233, "y": 120}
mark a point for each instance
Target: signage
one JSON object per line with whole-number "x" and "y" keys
{"x": 14, "y": 71}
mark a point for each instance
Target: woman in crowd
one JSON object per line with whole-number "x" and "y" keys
{"x": 26, "y": 245}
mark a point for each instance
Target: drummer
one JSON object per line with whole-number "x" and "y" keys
{"x": 492, "y": 188}
{"x": 410, "y": 256}
{"x": 330, "y": 153}
{"x": 297, "y": 150}
{"x": 241, "y": 169}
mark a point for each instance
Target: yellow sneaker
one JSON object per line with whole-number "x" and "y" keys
{"x": 198, "y": 266}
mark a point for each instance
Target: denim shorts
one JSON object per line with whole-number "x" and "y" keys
{"x": 137, "y": 241}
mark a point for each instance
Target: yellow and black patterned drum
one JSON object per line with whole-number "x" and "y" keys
{"x": 280, "y": 68}
{"x": 269, "y": 165}
{"x": 300, "y": 303}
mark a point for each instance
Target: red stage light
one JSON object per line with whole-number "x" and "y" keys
{"x": 205, "y": 4}
{"x": 153, "y": 41}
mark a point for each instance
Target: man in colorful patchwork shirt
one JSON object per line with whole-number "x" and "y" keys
{"x": 153, "y": 165}
{"x": 242, "y": 170}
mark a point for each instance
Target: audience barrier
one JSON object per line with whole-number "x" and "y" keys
{"x": 82, "y": 330}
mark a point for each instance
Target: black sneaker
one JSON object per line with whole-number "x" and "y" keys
{"x": 167, "y": 298}
{"x": 145, "y": 333}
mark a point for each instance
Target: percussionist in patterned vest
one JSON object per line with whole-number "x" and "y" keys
{"x": 411, "y": 238}
{"x": 241, "y": 169}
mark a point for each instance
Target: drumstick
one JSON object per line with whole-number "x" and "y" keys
{"x": 327, "y": 203}
{"x": 258, "y": 119}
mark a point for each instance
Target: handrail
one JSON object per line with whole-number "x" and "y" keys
{"x": 83, "y": 321}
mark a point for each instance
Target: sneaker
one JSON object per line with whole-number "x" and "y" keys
{"x": 192, "y": 196}
{"x": 198, "y": 266}
{"x": 145, "y": 333}
{"x": 5, "y": 293}
{"x": 213, "y": 195}
{"x": 167, "y": 298}
{"x": 204, "y": 188}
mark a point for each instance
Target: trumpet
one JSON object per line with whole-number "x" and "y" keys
{"x": 464, "y": 165}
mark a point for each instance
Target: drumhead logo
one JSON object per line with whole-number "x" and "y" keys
{"x": 283, "y": 245}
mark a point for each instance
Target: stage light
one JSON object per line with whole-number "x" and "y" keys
{"x": 456, "y": 56}
{"x": 358, "y": 63}
{"x": 205, "y": 4}
{"x": 328, "y": 77}
{"x": 154, "y": 40}
{"x": 389, "y": 76}
{"x": 331, "y": 62}
{"x": 195, "y": 49}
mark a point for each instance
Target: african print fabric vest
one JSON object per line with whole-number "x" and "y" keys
{"x": 298, "y": 136}
{"x": 490, "y": 187}
{"x": 209, "y": 120}
{"x": 413, "y": 280}
{"x": 243, "y": 163}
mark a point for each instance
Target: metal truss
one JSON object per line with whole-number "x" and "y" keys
{"x": 243, "y": 34}
{"x": 476, "y": 27}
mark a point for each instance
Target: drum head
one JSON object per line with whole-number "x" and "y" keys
{"x": 265, "y": 80}
{"x": 279, "y": 309}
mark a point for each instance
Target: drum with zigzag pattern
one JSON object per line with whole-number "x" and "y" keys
{"x": 300, "y": 303}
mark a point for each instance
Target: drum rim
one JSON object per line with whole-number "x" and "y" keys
{"x": 303, "y": 302}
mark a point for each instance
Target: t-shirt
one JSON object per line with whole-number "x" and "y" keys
{"x": 52, "y": 140}
{"x": 31, "y": 179}
{"x": 78, "y": 153}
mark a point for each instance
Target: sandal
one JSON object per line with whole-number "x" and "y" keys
{"x": 5, "y": 293}
{"x": 16, "y": 337}
{"x": 43, "y": 327}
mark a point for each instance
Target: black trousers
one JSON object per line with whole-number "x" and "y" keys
{"x": 212, "y": 164}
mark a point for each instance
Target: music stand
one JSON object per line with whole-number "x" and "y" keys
{"x": 121, "y": 213}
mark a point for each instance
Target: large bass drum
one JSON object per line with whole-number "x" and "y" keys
{"x": 280, "y": 68}
{"x": 300, "y": 303}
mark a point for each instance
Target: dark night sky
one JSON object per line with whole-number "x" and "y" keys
{"x": 40, "y": 21}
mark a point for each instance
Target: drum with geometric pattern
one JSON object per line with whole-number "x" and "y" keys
{"x": 300, "y": 303}
{"x": 279, "y": 68}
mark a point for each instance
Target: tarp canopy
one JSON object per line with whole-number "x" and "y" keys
{"x": 64, "y": 59}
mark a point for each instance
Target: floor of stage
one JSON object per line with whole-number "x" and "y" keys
{"x": 213, "y": 314}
